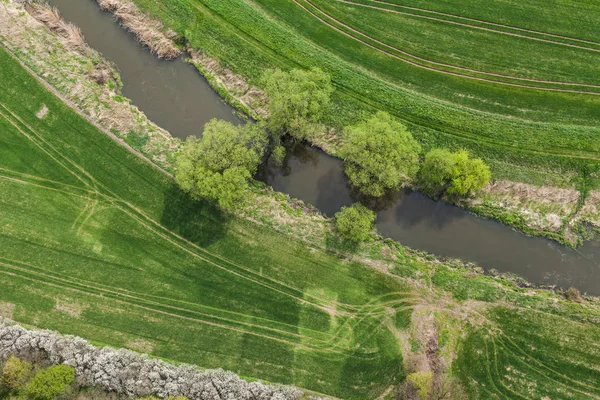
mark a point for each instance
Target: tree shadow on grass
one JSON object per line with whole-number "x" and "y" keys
{"x": 336, "y": 245}
{"x": 199, "y": 221}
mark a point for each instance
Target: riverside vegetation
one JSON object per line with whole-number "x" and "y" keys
{"x": 97, "y": 241}
{"x": 532, "y": 119}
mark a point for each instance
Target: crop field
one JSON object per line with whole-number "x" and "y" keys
{"x": 517, "y": 83}
{"x": 531, "y": 355}
{"x": 98, "y": 243}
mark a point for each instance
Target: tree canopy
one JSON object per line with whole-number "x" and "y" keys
{"x": 355, "y": 223}
{"x": 50, "y": 382}
{"x": 457, "y": 173}
{"x": 298, "y": 100}
{"x": 219, "y": 165}
{"x": 15, "y": 373}
{"x": 379, "y": 154}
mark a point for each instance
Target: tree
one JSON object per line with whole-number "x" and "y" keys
{"x": 455, "y": 173}
{"x": 15, "y": 374}
{"x": 50, "y": 382}
{"x": 219, "y": 165}
{"x": 436, "y": 171}
{"x": 355, "y": 223}
{"x": 297, "y": 101}
{"x": 469, "y": 175}
{"x": 379, "y": 154}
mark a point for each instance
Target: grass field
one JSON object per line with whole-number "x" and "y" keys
{"x": 517, "y": 84}
{"x": 96, "y": 242}
{"x": 530, "y": 355}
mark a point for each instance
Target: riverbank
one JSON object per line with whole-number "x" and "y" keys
{"x": 442, "y": 316}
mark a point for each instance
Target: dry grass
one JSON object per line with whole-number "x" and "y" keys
{"x": 250, "y": 96}
{"x": 590, "y": 212}
{"x": 70, "y": 35}
{"x": 541, "y": 207}
{"x": 69, "y": 306}
{"x": 148, "y": 31}
{"x": 141, "y": 345}
{"x": 523, "y": 192}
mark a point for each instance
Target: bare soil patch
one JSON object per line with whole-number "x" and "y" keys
{"x": 42, "y": 113}
{"x": 7, "y": 310}
{"x": 69, "y": 306}
{"x": 141, "y": 345}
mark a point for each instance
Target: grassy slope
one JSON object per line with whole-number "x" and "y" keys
{"x": 441, "y": 108}
{"x": 93, "y": 244}
{"x": 82, "y": 217}
{"x": 530, "y": 355}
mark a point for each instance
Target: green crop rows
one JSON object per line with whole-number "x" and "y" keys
{"x": 524, "y": 92}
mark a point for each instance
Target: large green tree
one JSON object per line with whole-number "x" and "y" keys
{"x": 379, "y": 154}
{"x": 457, "y": 173}
{"x": 298, "y": 99}
{"x": 219, "y": 165}
{"x": 355, "y": 223}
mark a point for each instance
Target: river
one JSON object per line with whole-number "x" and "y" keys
{"x": 176, "y": 97}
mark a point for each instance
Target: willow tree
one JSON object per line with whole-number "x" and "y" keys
{"x": 297, "y": 102}
{"x": 219, "y": 165}
{"x": 379, "y": 154}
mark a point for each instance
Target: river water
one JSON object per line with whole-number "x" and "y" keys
{"x": 176, "y": 97}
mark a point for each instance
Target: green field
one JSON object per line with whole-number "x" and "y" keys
{"x": 517, "y": 83}
{"x": 530, "y": 355}
{"x": 96, "y": 242}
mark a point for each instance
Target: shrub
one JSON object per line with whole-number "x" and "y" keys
{"x": 355, "y": 223}
{"x": 15, "y": 374}
{"x": 573, "y": 294}
{"x": 422, "y": 381}
{"x": 297, "y": 100}
{"x": 50, "y": 382}
{"x": 457, "y": 173}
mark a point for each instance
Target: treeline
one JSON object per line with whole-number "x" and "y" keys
{"x": 380, "y": 154}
